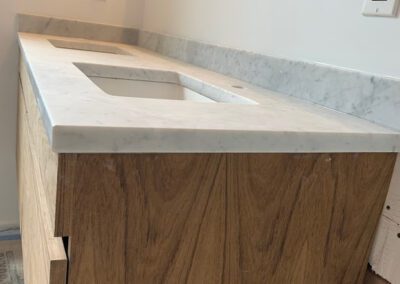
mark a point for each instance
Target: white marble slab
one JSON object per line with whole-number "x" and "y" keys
{"x": 80, "y": 117}
{"x": 72, "y": 28}
{"x": 371, "y": 97}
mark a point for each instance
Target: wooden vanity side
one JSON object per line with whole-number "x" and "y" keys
{"x": 224, "y": 218}
{"x": 385, "y": 255}
{"x": 44, "y": 257}
{"x": 47, "y": 159}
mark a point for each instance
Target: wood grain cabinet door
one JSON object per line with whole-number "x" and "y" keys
{"x": 303, "y": 218}
{"x": 224, "y": 218}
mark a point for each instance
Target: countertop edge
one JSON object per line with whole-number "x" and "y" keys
{"x": 165, "y": 140}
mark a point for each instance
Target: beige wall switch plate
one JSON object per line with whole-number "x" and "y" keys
{"x": 380, "y": 8}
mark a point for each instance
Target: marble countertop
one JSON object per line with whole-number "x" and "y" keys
{"x": 81, "y": 118}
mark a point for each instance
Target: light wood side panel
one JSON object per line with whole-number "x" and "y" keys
{"x": 47, "y": 159}
{"x": 304, "y": 218}
{"x": 392, "y": 204}
{"x": 44, "y": 257}
{"x": 385, "y": 255}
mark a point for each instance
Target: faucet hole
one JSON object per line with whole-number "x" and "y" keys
{"x": 237, "y": 87}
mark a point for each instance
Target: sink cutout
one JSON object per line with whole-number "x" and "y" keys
{"x": 87, "y": 46}
{"x": 147, "y": 89}
{"x": 156, "y": 84}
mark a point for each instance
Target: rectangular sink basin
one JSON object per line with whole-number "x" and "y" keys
{"x": 87, "y": 46}
{"x": 147, "y": 89}
{"x": 156, "y": 84}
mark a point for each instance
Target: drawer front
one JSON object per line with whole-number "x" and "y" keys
{"x": 44, "y": 256}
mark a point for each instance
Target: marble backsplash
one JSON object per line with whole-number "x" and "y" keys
{"x": 71, "y": 28}
{"x": 367, "y": 96}
{"x": 363, "y": 95}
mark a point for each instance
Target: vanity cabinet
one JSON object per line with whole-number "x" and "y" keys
{"x": 194, "y": 218}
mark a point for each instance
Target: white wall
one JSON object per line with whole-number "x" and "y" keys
{"x": 8, "y": 99}
{"x": 112, "y": 12}
{"x": 125, "y": 13}
{"x": 326, "y": 31}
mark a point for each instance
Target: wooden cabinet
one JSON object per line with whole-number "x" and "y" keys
{"x": 194, "y": 218}
{"x": 45, "y": 259}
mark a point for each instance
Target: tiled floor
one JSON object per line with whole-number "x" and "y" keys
{"x": 11, "y": 264}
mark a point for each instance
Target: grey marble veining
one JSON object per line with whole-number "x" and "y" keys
{"x": 70, "y": 28}
{"x": 152, "y": 75}
{"x": 370, "y": 97}
{"x": 376, "y": 99}
{"x": 80, "y": 117}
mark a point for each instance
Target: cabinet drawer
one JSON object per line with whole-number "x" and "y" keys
{"x": 44, "y": 256}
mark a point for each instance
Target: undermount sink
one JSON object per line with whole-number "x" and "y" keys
{"x": 147, "y": 89}
{"x": 87, "y": 46}
{"x": 157, "y": 84}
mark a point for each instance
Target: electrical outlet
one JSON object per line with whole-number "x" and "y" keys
{"x": 380, "y": 8}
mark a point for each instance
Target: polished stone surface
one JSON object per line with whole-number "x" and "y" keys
{"x": 80, "y": 117}
{"x": 71, "y": 28}
{"x": 363, "y": 95}
{"x": 370, "y": 97}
